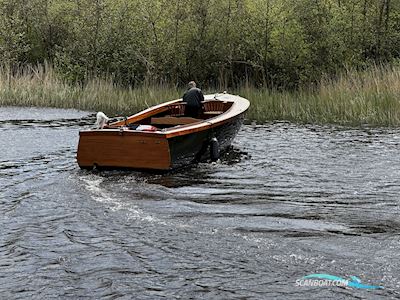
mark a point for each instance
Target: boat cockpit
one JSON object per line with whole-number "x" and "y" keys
{"x": 173, "y": 115}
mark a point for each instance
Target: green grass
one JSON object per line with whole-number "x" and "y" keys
{"x": 370, "y": 97}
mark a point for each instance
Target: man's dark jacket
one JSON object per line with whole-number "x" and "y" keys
{"x": 193, "y": 97}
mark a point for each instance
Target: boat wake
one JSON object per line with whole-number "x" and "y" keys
{"x": 93, "y": 182}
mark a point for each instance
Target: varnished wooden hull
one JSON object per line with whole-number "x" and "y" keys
{"x": 124, "y": 150}
{"x": 163, "y": 150}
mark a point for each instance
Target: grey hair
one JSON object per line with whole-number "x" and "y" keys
{"x": 192, "y": 84}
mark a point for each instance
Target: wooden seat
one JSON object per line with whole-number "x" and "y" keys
{"x": 173, "y": 120}
{"x": 177, "y": 109}
{"x": 216, "y": 107}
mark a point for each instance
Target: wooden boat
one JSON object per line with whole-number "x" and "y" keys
{"x": 178, "y": 140}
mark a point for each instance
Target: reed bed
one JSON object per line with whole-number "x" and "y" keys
{"x": 369, "y": 97}
{"x": 41, "y": 86}
{"x": 353, "y": 98}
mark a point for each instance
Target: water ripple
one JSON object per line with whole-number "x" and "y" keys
{"x": 286, "y": 201}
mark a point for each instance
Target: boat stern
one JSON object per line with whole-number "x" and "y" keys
{"x": 123, "y": 149}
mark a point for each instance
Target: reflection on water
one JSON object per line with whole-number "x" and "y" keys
{"x": 286, "y": 201}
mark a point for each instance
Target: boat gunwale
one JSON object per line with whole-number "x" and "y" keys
{"x": 233, "y": 112}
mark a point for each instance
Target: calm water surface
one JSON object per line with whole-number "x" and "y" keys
{"x": 287, "y": 201}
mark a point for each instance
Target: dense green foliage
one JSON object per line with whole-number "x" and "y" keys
{"x": 273, "y": 43}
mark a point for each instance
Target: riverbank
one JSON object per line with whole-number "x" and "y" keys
{"x": 354, "y": 98}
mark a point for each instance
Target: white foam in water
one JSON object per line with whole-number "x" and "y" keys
{"x": 92, "y": 184}
{"x": 100, "y": 195}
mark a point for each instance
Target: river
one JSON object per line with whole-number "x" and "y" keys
{"x": 287, "y": 201}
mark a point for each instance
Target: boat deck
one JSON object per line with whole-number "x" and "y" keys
{"x": 169, "y": 117}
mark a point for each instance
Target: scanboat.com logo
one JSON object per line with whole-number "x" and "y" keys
{"x": 331, "y": 280}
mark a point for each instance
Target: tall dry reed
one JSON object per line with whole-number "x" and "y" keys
{"x": 354, "y": 97}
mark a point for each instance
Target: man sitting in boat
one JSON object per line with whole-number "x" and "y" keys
{"x": 193, "y": 98}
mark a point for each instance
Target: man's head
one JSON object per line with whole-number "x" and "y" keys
{"x": 192, "y": 84}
